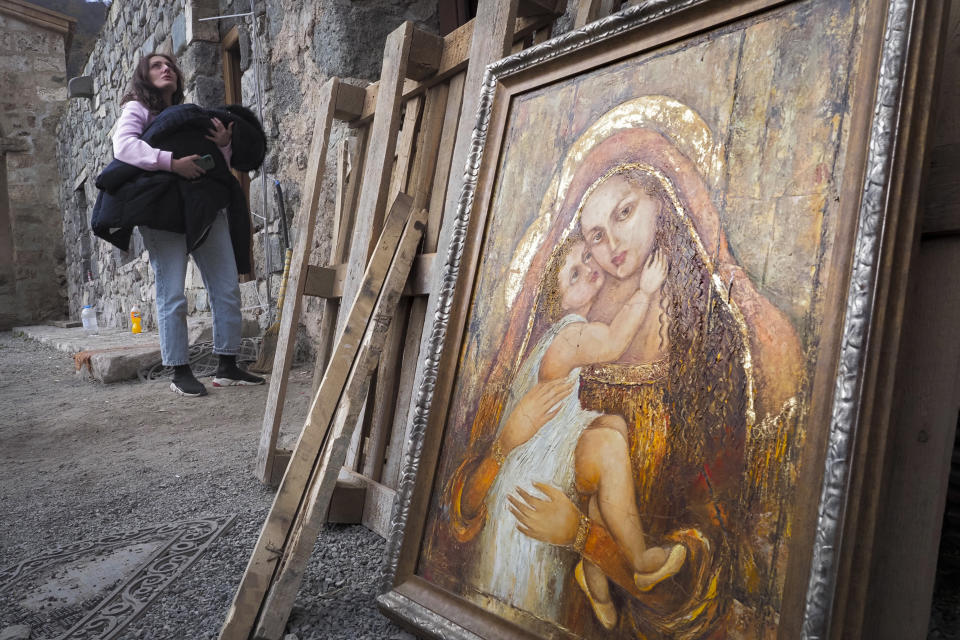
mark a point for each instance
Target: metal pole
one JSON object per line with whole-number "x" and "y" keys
{"x": 267, "y": 259}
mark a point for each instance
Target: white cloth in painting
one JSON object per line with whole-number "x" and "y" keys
{"x": 512, "y": 567}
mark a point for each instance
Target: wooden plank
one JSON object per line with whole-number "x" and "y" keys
{"x": 590, "y": 10}
{"x": 494, "y": 28}
{"x": 941, "y": 207}
{"x": 349, "y": 105}
{"x": 343, "y": 173}
{"x": 451, "y": 125}
{"x": 379, "y": 159}
{"x": 527, "y": 8}
{"x": 408, "y": 132}
{"x": 260, "y": 569}
{"x": 346, "y": 195}
{"x": 313, "y": 514}
{"x": 377, "y": 507}
{"x": 385, "y": 393}
{"x": 346, "y": 503}
{"x": 290, "y": 317}
{"x": 373, "y": 426}
{"x": 428, "y": 145}
{"x": 400, "y": 432}
{"x": 924, "y": 425}
{"x": 453, "y": 60}
{"x": 426, "y": 51}
{"x": 397, "y": 445}
{"x": 327, "y": 282}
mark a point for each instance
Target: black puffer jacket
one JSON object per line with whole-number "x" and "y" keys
{"x": 130, "y": 196}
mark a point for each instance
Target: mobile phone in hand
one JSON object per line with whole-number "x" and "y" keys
{"x": 205, "y": 162}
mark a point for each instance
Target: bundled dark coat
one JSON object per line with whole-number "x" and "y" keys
{"x": 163, "y": 200}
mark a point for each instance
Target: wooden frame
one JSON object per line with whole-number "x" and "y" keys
{"x": 853, "y": 360}
{"x": 230, "y": 53}
{"x": 430, "y": 139}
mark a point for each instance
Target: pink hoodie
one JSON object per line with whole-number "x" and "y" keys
{"x": 129, "y": 148}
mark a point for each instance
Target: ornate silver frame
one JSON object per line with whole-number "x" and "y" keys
{"x": 858, "y": 313}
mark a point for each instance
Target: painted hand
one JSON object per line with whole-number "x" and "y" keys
{"x": 653, "y": 274}
{"x": 219, "y": 134}
{"x": 553, "y": 519}
{"x": 534, "y": 410}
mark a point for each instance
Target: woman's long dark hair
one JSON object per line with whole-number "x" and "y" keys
{"x": 143, "y": 91}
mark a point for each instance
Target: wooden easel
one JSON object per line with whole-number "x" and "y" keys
{"x": 410, "y": 137}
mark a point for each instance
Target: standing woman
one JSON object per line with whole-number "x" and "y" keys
{"x": 157, "y": 84}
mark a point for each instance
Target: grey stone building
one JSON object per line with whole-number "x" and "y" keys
{"x": 33, "y": 93}
{"x": 302, "y": 44}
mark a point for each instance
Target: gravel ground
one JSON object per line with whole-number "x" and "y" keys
{"x": 80, "y": 460}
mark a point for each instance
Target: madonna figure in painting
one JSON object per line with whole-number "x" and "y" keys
{"x": 624, "y": 485}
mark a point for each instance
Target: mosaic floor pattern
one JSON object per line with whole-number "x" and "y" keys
{"x": 91, "y": 590}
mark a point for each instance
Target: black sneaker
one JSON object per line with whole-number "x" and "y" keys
{"x": 185, "y": 384}
{"x": 230, "y": 375}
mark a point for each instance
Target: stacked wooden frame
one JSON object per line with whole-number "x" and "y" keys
{"x": 408, "y": 136}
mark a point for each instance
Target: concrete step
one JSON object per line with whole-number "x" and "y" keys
{"x": 114, "y": 355}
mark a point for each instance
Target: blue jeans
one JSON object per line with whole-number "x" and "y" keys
{"x": 218, "y": 268}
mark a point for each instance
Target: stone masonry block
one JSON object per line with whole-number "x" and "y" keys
{"x": 147, "y": 46}
{"x": 179, "y": 34}
{"x": 197, "y": 30}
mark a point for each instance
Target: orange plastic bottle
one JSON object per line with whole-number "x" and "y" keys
{"x": 135, "y": 320}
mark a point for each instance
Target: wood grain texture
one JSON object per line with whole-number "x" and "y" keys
{"x": 273, "y": 537}
{"x": 313, "y": 512}
{"x": 290, "y": 317}
{"x": 924, "y": 424}
{"x": 378, "y": 161}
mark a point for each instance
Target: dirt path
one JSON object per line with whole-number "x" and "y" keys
{"x": 81, "y": 460}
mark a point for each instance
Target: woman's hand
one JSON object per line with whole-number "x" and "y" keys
{"x": 219, "y": 134}
{"x": 553, "y": 519}
{"x": 187, "y": 167}
{"x": 534, "y": 410}
{"x": 653, "y": 274}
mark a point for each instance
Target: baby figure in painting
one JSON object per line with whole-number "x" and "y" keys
{"x": 543, "y": 429}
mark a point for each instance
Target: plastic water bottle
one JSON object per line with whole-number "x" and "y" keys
{"x": 89, "y": 319}
{"x": 135, "y": 320}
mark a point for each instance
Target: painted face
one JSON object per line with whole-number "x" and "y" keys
{"x": 162, "y": 74}
{"x": 619, "y": 223}
{"x": 580, "y": 279}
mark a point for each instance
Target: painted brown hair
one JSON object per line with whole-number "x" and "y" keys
{"x": 142, "y": 90}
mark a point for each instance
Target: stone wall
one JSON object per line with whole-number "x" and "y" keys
{"x": 302, "y": 45}
{"x": 32, "y": 98}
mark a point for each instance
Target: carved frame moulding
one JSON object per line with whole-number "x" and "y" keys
{"x": 673, "y": 288}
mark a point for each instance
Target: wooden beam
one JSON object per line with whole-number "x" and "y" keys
{"x": 290, "y": 317}
{"x": 252, "y": 592}
{"x": 426, "y": 50}
{"x": 327, "y": 282}
{"x": 313, "y": 513}
{"x": 589, "y": 11}
{"x": 453, "y": 59}
{"x": 379, "y": 160}
{"x": 528, "y": 8}
{"x": 349, "y": 102}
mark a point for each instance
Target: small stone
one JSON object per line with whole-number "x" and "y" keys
{"x": 16, "y": 632}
